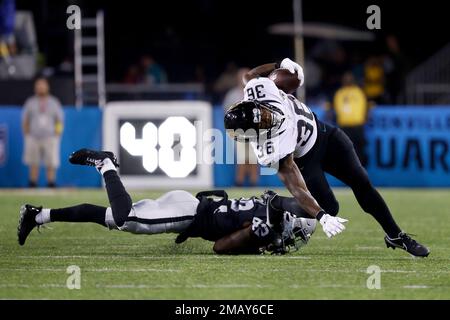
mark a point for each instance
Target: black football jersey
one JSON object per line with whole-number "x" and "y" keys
{"x": 218, "y": 217}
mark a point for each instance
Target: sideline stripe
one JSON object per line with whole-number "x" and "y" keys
{"x": 160, "y": 220}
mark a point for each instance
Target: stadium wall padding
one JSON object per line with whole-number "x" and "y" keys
{"x": 407, "y": 147}
{"x": 81, "y": 129}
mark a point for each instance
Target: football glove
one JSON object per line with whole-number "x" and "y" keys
{"x": 332, "y": 225}
{"x": 293, "y": 67}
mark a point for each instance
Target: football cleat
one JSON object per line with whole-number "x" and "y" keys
{"x": 405, "y": 242}
{"x": 27, "y": 221}
{"x": 87, "y": 157}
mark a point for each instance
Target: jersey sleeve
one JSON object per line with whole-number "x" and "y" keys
{"x": 271, "y": 151}
{"x": 262, "y": 89}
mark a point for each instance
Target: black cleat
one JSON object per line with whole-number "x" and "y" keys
{"x": 87, "y": 157}
{"x": 274, "y": 217}
{"x": 27, "y": 221}
{"x": 405, "y": 242}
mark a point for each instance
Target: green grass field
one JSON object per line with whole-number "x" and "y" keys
{"x": 117, "y": 265}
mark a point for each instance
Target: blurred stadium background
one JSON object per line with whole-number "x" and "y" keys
{"x": 183, "y": 58}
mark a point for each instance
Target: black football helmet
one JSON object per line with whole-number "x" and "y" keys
{"x": 243, "y": 120}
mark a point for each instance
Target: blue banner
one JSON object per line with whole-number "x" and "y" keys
{"x": 409, "y": 146}
{"x": 81, "y": 129}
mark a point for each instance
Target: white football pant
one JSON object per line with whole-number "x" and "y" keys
{"x": 172, "y": 212}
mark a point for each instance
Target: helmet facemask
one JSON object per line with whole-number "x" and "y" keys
{"x": 260, "y": 121}
{"x": 296, "y": 232}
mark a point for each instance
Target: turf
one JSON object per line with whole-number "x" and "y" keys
{"x": 117, "y": 265}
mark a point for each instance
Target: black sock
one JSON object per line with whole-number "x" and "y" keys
{"x": 119, "y": 199}
{"x": 372, "y": 202}
{"x": 80, "y": 213}
{"x": 291, "y": 205}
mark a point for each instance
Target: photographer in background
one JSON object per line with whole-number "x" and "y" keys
{"x": 42, "y": 123}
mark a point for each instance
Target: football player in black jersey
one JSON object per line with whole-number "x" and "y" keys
{"x": 285, "y": 133}
{"x": 237, "y": 226}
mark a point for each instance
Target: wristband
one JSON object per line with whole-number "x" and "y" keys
{"x": 320, "y": 214}
{"x": 278, "y": 64}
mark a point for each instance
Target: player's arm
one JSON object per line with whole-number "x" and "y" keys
{"x": 265, "y": 69}
{"x": 247, "y": 240}
{"x": 235, "y": 243}
{"x": 260, "y": 71}
{"x": 292, "y": 178}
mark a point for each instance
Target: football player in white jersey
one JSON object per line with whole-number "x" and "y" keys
{"x": 285, "y": 134}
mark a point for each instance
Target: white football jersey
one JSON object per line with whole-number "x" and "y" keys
{"x": 296, "y": 134}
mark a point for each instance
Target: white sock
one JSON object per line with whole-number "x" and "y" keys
{"x": 43, "y": 216}
{"x": 107, "y": 165}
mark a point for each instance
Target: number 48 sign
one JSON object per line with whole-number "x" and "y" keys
{"x": 157, "y": 142}
{"x": 176, "y": 162}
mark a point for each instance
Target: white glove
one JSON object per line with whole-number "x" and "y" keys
{"x": 293, "y": 67}
{"x": 332, "y": 225}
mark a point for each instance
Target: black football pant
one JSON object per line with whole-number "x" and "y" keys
{"x": 334, "y": 153}
{"x": 357, "y": 135}
{"x": 119, "y": 200}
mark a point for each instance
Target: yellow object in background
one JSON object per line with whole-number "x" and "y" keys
{"x": 3, "y": 49}
{"x": 58, "y": 128}
{"x": 351, "y": 106}
{"x": 374, "y": 83}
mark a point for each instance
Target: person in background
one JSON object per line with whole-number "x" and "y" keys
{"x": 246, "y": 161}
{"x": 374, "y": 80}
{"x": 132, "y": 76}
{"x": 395, "y": 69}
{"x": 153, "y": 73}
{"x": 42, "y": 122}
{"x": 351, "y": 108}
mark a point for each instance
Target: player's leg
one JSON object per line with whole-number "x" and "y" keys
{"x": 119, "y": 199}
{"x": 32, "y": 216}
{"x": 173, "y": 212}
{"x": 342, "y": 162}
{"x": 170, "y": 213}
{"x": 357, "y": 136}
{"x": 106, "y": 163}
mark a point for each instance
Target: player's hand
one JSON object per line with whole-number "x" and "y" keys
{"x": 293, "y": 67}
{"x": 332, "y": 225}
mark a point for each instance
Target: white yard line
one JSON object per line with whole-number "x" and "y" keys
{"x": 204, "y": 286}
{"x": 93, "y": 269}
{"x": 368, "y": 248}
{"x": 137, "y": 270}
